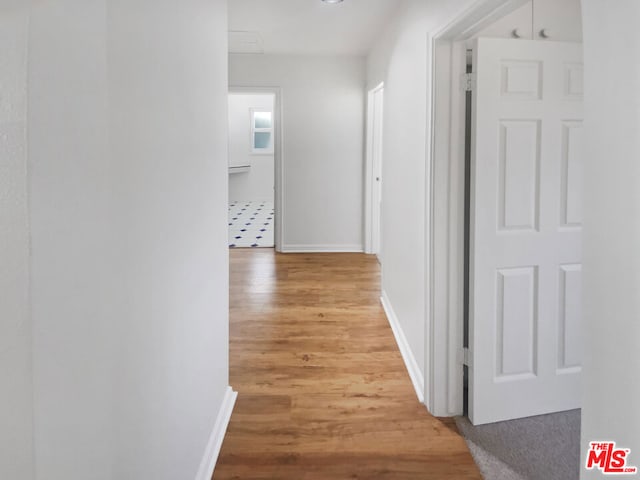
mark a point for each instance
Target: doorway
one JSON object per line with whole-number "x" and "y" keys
{"x": 253, "y": 218}
{"x": 523, "y": 181}
{"x": 373, "y": 214}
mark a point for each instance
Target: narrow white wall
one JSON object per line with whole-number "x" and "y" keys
{"x": 167, "y": 64}
{"x": 73, "y": 273}
{"x": 128, "y": 191}
{"x": 16, "y": 374}
{"x": 611, "y": 233}
{"x": 257, "y": 184}
{"x": 323, "y": 144}
{"x": 401, "y": 58}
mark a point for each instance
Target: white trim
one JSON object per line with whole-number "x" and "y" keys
{"x": 208, "y": 463}
{"x": 278, "y": 155}
{"x": 429, "y": 365}
{"x": 444, "y": 246}
{"x": 369, "y": 174}
{"x": 475, "y": 18}
{"x": 239, "y": 169}
{"x": 417, "y": 379}
{"x": 322, "y": 249}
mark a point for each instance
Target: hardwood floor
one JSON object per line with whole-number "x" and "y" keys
{"x": 323, "y": 391}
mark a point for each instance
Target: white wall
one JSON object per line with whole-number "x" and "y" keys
{"x": 16, "y": 399}
{"x": 72, "y": 271}
{"x": 128, "y": 182}
{"x": 168, "y": 127}
{"x": 257, "y": 184}
{"x": 401, "y": 59}
{"x": 323, "y": 145}
{"x": 611, "y": 233}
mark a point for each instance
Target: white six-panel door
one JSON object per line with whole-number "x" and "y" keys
{"x": 525, "y": 271}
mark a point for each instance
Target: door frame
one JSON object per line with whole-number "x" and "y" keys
{"x": 444, "y": 359}
{"x": 371, "y": 206}
{"x": 278, "y": 156}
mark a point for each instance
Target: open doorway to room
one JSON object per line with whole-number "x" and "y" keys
{"x": 507, "y": 141}
{"x": 252, "y": 153}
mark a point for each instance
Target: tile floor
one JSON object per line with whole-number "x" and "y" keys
{"x": 251, "y": 224}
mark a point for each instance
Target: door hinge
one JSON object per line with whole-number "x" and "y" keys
{"x": 466, "y": 357}
{"x": 468, "y": 82}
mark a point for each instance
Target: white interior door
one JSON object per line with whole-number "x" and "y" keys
{"x": 525, "y": 271}
{"x": 376, "y": 112}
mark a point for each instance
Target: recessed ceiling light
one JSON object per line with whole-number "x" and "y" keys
{"x": 332, "y": 1}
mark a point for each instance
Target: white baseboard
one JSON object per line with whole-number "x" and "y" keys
{"x": 205, "y": 472}
{"x": 322, "y": 249}
{"x": 407, "y": 355}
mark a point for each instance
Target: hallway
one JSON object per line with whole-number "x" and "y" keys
{"x": 323, "y": 391}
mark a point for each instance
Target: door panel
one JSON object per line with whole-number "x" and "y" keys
{"x": 518, "y": 174}
{"x": 378, "y": 118}
{"x": 525, "y": 276}
{"x": 572, "y": 173}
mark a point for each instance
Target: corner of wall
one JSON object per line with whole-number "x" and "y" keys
{"x": 417, "y": 379}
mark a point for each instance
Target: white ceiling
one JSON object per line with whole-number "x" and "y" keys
{"x": 307, "y": 26}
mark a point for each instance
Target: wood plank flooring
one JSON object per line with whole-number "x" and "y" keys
{"x": 323, "y": 391}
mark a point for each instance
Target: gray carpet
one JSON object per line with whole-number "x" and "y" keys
{"x": 546, "y": 447}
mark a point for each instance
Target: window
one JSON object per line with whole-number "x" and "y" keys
{"x": 261, "y": 132}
